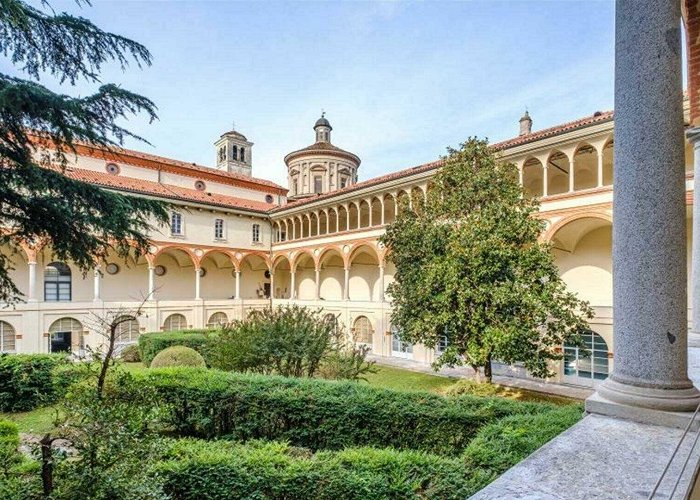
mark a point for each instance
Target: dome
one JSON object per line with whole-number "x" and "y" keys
{"x": 322, "y": 122}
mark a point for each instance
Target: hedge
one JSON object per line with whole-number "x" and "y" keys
{"x": 31, "y": 380}
{"x": 222, "y": 470}
{"x": 151, "y": 344}
{"x": 320, "y": 414}
{"x": 19, "y": 477}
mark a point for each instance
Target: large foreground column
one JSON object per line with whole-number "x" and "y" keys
{"x": 649, "y": 240}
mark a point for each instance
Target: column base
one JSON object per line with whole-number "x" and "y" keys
{"x": 666, "y": 407}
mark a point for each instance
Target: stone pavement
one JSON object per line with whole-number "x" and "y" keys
{"x": 461, "y": 372}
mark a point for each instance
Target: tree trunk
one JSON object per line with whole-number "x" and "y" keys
{"x": 106, "y": 360}
{"x": 46, "y": 465}
{"x": 488, "y": 374}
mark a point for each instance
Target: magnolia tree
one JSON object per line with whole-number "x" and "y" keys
{"x": 470, "y": 270}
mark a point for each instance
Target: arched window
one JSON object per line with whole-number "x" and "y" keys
{"x": 175, "y": 322}
{"x": 66, "y": 335}
{"x": 217, "y": 319}
{"x": 362, "y": 330}
{"x": 234, "y": 152}
{"x": 57, "y": 282}
{"x": 590, "y": 368}
{"x": 242, "y": 153}
{"x": 128, "y": 330}
{"x": 7, "y": 337}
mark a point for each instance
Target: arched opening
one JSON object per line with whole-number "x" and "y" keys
{"x": 217, "y": 279}
{"x": 585, "y": 167}
{"x": 255, "y": 277}
{"x": 305, "y": 226}
{"x": 175, "y": 279}
{"x": 353, "y": 217}
{"x": 590, "y": 368}
{"x": 389, "y": 209}
{"x": 18, "y": 269}
{"x": 7, "y": 337}
{"x": 557, "y": 173}
{"x": 376, "y": 209}
{"x": 332, "y": 220}
{"x": 297, "y": 228}
{"x": 402, "y": 201}
{"x": 417, "y": 200}
{"x": 58, "y": 286}
{"x": 533, "y": 178}
{"x": 305, "y": 277}
{"x": 124, "y": 277}
{"x": 608, "y": 150}
{"x": 344, "y": 219}
{"x": 362, "y": 331}
{"x": 128, "y": 330}
{"x": 217, "y": 320}
{"x": 331, "y": 275}
{"x": 67, "y": 335}
{"x": 175, "y": 323}
{"x": 323, "y": 221}
{"x": 583, "y": 253}
{"x": 282, "y": 277}
{"x": 313, "y": 221}
{"x": 364, "y": 213}
{"x": 364, "y": 274}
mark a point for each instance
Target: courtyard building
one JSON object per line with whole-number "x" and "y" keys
{"x": 238, "y": 243}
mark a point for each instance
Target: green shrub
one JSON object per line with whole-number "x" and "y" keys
{"x": 289, "y": 341}
{"x": 178, "y": 355}
{"x": 151, "y": 344}
{"x": 319, "y": 414}
{"x": 18, "y": 475}
{"x": 130, "y": 354}
{"x": 347, "y": 364}
{"x": 500, "y": 445}
{"x": 223, "y": 470}
{"x": 31, "y": 380}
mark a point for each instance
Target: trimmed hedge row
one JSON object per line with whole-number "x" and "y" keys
{"x": 31, "y": 380}
{"x": 223, "y": 470}
{"x": 151, "y": 344}
{"x": 319, "y": 414}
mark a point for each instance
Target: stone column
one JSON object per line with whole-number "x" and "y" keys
{"x": 292, "y": 285}
{"x": 272, "y": 286}
{"x": 96, "y": 284}
{"x": 238, "y": 284}
{"x": 197, "y": 283}
{"x": 346, "y": 284}
{"x": 318, "y": 283}
{"x": 694, "y": 138}
{"x": 571, "y": 175}
{"x": 649, "y": 236}
{"x": 545, "y": 180}
{"x": 600, "y": 168}
{"x": 151, "y": 283}
{"x": 31, "y": 293}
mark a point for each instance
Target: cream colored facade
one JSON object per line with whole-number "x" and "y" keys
{"x": 321, "y": 251}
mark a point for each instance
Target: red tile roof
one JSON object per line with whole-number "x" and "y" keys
{"x": 322, "y": 147}
{"x": 132, "y": 185}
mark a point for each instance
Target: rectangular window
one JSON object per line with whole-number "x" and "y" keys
{"x": 219, "y": 229}
{"x": 442, "y": 344}
{"x": 318, "y": 184}
{"x": 256, "y": 233}
{"x": 176, "y": 223}
{"x": 343, "y": 182}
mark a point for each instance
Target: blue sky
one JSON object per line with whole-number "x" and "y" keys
{"x": 399, "y": 81}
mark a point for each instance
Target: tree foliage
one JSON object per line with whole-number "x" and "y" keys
{"x": 39, "y": 131}
{"x": 469, "y": 266}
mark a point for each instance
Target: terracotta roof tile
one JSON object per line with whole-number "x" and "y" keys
{"x": 130, "y": 184}
{"x": 324, "y": 147}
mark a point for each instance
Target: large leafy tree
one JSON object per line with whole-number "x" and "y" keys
{"x": 469, "y": 266}
{"x": 39, "y": 130}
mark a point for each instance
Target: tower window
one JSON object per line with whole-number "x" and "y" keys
{"x": 318, "y": 184}
{"x": 234, "y": 152}
{"x": 256, "y": 233}
{"x": 219, "y": 229}
{"x": 343, "y": 182}
{"x": 242, "y": 154}
{"x": 222, "y": 154}
{"x": 176, "y": 223}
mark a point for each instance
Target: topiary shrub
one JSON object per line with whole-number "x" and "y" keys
{"x": 130, "y": 354}
{"x": 31, "y": 380}
{"x": 178, "y": 355}
{"x": 151, "y": 344}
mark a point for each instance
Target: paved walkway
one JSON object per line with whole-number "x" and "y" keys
{"x": 521, "y": 383}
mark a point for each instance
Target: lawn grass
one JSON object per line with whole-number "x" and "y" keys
{"x": 39, "y": 421}
{"x": 406, "y": 380}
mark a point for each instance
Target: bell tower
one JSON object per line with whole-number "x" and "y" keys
{"x": 234, "y": 153}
